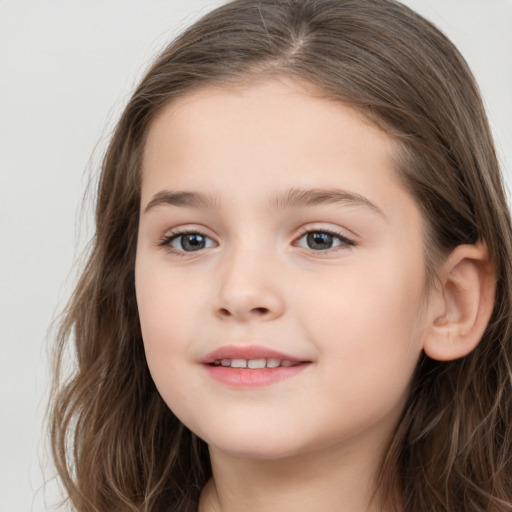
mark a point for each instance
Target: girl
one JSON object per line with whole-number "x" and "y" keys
{"x": 298, "y": 296}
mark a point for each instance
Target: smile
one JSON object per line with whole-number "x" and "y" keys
{"x": 254, "y": 364}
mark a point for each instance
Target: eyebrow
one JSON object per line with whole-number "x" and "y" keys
{"x": 293, "y": 198}
{"x": 182, "y": 198}
{"x": 297, "y": 197}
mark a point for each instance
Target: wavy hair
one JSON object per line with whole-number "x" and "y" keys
{"x": 116, "y": 445}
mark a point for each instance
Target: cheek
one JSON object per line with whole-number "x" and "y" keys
{"x": 165, "y": 308}
{"x": 168, "y": 311}
{"x": 370, "y": 314}
{"x": 164, "y": 312}
{"x": 370, "y": 337}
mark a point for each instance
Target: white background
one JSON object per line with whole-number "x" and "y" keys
{"x": 66, "y": 69}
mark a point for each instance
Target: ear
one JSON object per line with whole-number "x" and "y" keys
{"x": 463, "y": 303}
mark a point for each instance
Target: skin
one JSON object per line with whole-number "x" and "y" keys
{"x": 358, "y": 311}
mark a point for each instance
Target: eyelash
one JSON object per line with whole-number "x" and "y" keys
{"x": 344, "y": 241}
{"x": 167, "y": 240}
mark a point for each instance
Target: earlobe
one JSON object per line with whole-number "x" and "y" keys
{"x": 465, "y": 302}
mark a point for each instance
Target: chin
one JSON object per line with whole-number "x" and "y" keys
{"x": 251, "y": 445}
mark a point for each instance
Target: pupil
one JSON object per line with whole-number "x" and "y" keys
{"x": 192, "y": 242}
{"x": 319, "y": 240}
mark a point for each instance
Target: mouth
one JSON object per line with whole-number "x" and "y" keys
{"x": 255, "y": 364}
{"x": 252, "y": 366}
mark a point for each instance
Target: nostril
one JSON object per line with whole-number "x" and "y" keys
{"x": 261, "y": 311}
{"x": 258, "y": 311}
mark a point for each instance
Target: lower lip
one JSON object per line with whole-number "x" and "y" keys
{"x": 251, "y": 378}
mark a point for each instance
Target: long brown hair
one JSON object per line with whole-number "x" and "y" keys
{"x": 116, "y": 444}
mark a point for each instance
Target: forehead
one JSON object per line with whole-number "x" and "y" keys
{"x": 299, "y": 105}
{"x": 268, "y": 130}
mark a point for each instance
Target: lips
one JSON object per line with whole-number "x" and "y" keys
{"x": 252, "y": 366}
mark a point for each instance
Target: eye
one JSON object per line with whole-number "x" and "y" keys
{"x": 187, "y": 241}
{"x": 322, "y": 240}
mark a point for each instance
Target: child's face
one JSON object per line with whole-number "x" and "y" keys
{"x": 300, "y": 240}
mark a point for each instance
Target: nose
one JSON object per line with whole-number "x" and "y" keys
{"x": 249, "y": 289}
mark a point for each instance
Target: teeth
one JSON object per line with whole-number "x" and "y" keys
{"x": 254, "y": 363}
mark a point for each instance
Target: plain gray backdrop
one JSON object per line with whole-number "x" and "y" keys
{"x": 66, "y": 70}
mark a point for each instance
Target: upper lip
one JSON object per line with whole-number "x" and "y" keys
{"x": 248, "y": 352}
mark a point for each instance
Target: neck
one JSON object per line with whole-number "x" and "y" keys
{"x": 324, "y": 480}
